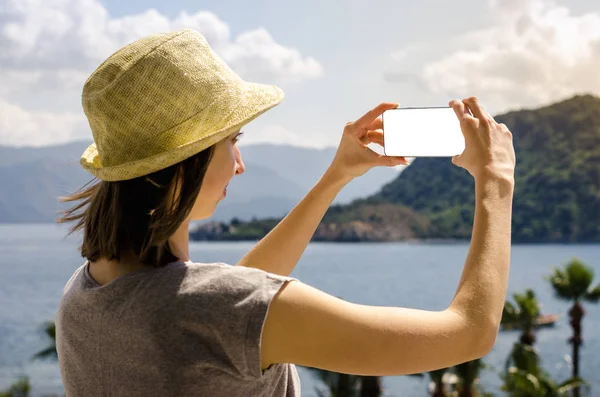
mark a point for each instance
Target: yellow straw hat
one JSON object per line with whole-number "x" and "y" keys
{"x": 162, "y": 99}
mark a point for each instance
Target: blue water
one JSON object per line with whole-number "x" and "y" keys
{"x": 36, "y": 261}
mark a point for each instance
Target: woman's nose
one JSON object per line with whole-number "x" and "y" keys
{"x": 239, "y": 164}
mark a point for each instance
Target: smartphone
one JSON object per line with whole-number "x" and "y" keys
{"x": 422, "y": 132}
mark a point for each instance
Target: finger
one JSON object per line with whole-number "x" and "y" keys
{"x": 383, "y": 160}
{"x": 377, "y": 124}
{"x": 374, "y": 136}
{"x": 459, "y": 108}
{"x": 476, "y": 108}
{"x": 372, "y": 114}
{"x": 377, "y": 138}
{"x": 392, "y": 161}
{"x": 464, "y": 116}
{"x": 377, "y": 159}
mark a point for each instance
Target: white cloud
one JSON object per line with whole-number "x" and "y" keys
{"x": 255, "y": 53}
{"x": 78, "y": 34}
{"x": 19, "y": 127}
{"x": 535, "y": 52}
{"x": 51, "y": 46}
{"x": 60, "y": 82}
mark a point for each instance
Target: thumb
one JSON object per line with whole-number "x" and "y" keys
{"x": 455, "y": 159}
{"x": 392, "y": 161}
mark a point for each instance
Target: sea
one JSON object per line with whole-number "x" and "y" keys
{"x": 36, "y": 260}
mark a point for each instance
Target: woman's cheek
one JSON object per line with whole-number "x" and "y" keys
{"x": 232, "y": 158}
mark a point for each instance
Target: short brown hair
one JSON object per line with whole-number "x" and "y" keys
{"x": 137, "y": 215}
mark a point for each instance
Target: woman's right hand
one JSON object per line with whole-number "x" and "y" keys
{"x": 489, "y": 150}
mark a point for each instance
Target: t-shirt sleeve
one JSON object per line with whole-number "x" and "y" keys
{"x": 269, "y": 286}
{"x": 234, "y": 301}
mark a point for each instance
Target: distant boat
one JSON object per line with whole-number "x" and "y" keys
{"x": 542, "y": 321}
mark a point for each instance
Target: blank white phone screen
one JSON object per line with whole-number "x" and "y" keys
{"x": 422, "y": 132}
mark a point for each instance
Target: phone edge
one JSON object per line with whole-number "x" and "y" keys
{"x": 383, "y": 130}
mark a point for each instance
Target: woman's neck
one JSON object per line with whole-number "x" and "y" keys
{"x": 179, "y": 242}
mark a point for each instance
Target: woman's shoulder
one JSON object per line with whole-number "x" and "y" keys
{"x": 179, "y": 281}
{"x": 230, "y": 276}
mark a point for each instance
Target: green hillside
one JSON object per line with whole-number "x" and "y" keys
{"x": 557, "y": 179}
{"x": 557, "y": 188}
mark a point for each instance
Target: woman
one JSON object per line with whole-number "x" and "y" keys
{"x": 140, "y": 318}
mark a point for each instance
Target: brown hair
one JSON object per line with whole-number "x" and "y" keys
{"x": 137, "y": 215}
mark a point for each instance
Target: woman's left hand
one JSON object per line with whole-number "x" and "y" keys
{"x": 353, "y": 157}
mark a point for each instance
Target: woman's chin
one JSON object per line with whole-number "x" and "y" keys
{"x": 205, "y": 214}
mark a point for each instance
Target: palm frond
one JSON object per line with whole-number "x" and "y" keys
{"x": 567, "y": 386}
{"x": 510, "y": 314}
{"x": 529, "y": 307}
{"x": 580, "y": 277}
{"x": 593, "y": 296}
{"x": 50, "y": 352}
{"x": 21, "y": 388}
{"x": 523, "y": 357}
{"x": 560, "y": 283}
{"x": 522, "y": 381}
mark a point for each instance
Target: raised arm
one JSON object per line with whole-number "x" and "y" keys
{"x": 308, "y": 327}
{"x": 280, "y": 250}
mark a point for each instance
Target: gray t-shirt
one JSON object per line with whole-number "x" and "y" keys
{"x": 186, "y": 329}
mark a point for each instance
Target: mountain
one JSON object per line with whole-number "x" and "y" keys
{"x": 304, "y": 166}
{"x": 67, "y": 153}
{"x": 557, "y": 178}
{"x": 276, "y": 178}
{"x": 259, "y": 192}
{"x": 557, "y": 187}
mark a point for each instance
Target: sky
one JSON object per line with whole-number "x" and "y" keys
{"x": 334, "y": 59}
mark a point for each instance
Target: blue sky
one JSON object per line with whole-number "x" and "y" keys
{"x": 334, "y": 59}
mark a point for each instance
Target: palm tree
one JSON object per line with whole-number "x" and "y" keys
{"x": 468, "y": 376}
{"x": 439, "y": 380}
{"x": 370, "y": 386}
{"x": 524, "y": 377}
{"x": 462, "y": 378}
{"x": 523, "y": 314}
{"x": 437, "y": 386}
{"x": 49, "y": 329}
{"x": 574, "y": 284}
{"x": 20, "y": 388}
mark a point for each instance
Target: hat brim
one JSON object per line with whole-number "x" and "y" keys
{"x": 258, "y": 98}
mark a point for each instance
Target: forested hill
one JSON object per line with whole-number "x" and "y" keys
{"x": 557, "y": 189}
{"x": 557, "y": 178}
